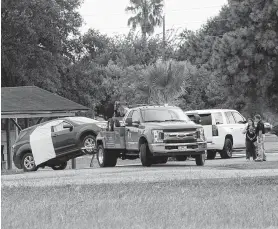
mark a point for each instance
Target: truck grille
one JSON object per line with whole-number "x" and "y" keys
{"x": 188, "y": 136}
{"x": 180, "y": 130}
{"x": 180, "y": 140}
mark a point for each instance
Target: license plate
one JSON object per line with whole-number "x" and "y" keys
{"x": 182, "y": 147}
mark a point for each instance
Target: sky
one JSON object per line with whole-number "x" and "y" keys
{"x": 109, "y": 16}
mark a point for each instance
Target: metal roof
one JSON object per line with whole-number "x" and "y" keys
{"x": 32, "y": 101}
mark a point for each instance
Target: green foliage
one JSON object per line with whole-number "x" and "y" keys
{"x": 232, "y": 61}
{"x": 239, "y": 49}
{"x": 35, "y": 40}
{"x": 148, "y": 15}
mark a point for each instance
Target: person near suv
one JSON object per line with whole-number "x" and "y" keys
{"x": 260, "y": 131}
{"x": 251, "y": 140}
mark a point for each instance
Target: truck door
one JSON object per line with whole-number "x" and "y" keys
{"x": 132, "y": 132}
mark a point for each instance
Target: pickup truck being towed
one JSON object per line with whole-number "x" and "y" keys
{"x": 152, "y": 133}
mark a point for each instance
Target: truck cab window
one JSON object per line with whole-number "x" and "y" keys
{"x": 136, "y": 116}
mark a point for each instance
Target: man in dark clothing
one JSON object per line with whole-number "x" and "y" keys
{"x": 260, "y": 131}
{"x": 251, "y": 140}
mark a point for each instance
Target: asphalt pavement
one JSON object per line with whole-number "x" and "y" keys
{"x": 132, "y": 171}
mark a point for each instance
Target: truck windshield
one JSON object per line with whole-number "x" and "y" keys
{"x": 164, "y": 115}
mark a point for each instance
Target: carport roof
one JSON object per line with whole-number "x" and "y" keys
{"x": 32, "y": 101}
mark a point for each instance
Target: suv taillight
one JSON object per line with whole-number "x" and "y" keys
{"x": 214, "y": 130}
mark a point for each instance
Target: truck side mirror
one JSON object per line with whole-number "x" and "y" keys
{"x": 197, "y": 119}
{"x": 128, "y": 122}
{"x": 135, "y": 123}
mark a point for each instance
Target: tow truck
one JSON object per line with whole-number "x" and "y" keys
{"x": 152, "y": 133}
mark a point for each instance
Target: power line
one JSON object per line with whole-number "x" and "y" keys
{"x": 173, "y": 26}
{"x": 175, "y": 10}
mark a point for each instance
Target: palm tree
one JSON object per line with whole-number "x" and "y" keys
{"x": 147, "y": 15}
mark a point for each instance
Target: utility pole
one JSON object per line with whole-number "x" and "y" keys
{"x": 164, "y": 35}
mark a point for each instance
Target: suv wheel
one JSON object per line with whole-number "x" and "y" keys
{"x": 181, "y": 158}
{"x": 227, "y": 151}
{"x": 211, "y": 154}
{"x": 89, "y": 141}
{"x": 61, "y": 166}
{"x": 106, "y": 159}
{"x": 200, "y": 159}
{"x": 145, "y": 155}
{"x": 28, "y": 162}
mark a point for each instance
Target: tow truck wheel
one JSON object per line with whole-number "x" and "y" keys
{"x": 200, "y": 159}
{"x": 104, "y": 158}
{"x": 145, "y": 155}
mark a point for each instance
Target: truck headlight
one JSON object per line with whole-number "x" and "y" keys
{"x": 201, "y": 134}
{"x": 158, "y": 136}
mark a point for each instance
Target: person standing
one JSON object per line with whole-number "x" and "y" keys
{"x": 260, "y": 131}
{"x": 251, "y": 140}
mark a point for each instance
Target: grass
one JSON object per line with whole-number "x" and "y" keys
{"x": 215, "y": 203}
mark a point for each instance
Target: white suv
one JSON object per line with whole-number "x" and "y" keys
{"x": 223, "y": 130}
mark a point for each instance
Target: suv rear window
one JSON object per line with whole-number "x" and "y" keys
{"x": 206, "y": 119}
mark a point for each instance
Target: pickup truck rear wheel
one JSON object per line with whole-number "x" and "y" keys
{"x": 200, "y": 159}
{"x": 227, "y": 151}
{"x": 211, "y": 154}
{"x": 106, "y": 158}
{"x": 145, "y": 155}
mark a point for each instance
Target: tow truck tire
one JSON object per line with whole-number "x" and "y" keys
{"x": 200, "y": 159}
{"x": 106, "y": 158}
{"x": 211, "y": 154}
{"x": 181, "y": 158}
{"x": 145, "y": 155}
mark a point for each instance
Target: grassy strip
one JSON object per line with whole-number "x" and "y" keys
{"x": 230, "y": 203}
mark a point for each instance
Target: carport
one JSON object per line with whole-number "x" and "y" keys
{"x": 30, "y": 102}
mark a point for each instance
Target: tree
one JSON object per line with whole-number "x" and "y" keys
{"x": 37, "y": 40}
{"x": 148, "y": 15}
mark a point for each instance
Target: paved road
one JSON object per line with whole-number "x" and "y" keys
{"x": 219, "y": 168}
{"x": 132, "y": 171}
